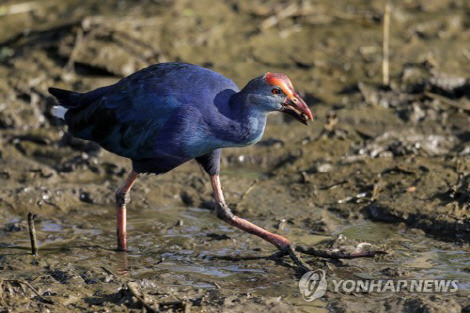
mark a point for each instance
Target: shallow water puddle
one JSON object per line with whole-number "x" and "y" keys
{"x": 178, "y": 246}
{"x": 417, "y": 253}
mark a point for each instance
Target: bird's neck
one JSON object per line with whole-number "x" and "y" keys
{"x": 249, "y": 122}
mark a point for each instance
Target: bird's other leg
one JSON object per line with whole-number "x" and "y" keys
{"x": 224, "y": 213}
{"x": 123, "y": 198}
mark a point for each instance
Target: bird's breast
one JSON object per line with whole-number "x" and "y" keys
{"x": 201, "y": 141}
{"x": 252, "y": 132}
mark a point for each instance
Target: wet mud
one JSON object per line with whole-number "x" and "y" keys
{"x": 385, "y": 166}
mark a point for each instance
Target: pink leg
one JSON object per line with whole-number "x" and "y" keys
{"x": 283, "y": 244}
{"x": 224, "y": 213}
{"x": 122, "y": 198}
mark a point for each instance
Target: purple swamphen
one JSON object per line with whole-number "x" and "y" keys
{"x": 167, "y": 114}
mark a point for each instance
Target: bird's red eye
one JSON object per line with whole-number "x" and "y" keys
{"x": 277, "y": 91}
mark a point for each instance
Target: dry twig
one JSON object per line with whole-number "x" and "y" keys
{"x": 136, "y": 294}
{"x": 248, "y": 190}
{"x": 18, "y": 281}
{"x": 338, "y": 254}
{"x": 455, "y": 104}
{"x": 386, "y": 46}
{"x": 76, "y": 48}
{"x": 18, "y": 8}
{"x": 32, "y": 233}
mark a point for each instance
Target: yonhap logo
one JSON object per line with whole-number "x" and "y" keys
{"x": 313, "y": 285}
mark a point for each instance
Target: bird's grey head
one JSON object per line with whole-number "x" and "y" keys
{"x": 274, "y": 92}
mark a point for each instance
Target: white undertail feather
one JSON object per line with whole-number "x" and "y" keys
{"x": 59, "y": 111}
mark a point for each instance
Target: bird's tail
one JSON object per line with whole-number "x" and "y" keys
{"x": 59, "y": 111}
{"x": 67, "y": 99}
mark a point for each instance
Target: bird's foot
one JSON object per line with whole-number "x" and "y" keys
{"x": 291, "y": 251}
{"x": 294, "y": 252}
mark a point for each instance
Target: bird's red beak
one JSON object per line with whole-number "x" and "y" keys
{"x": 296, "y": 107}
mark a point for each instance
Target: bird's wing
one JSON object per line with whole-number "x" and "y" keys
{"x": 125, "y": 120}
{"x": 146, "y": 114}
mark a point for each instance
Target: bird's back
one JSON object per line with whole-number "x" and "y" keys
{"x": 149, "y": 113}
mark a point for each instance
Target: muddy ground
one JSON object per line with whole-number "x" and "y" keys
{"x": 387, "y": 166}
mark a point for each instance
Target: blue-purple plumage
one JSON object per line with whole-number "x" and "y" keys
{"x": 164, "y": 115}
{"x": 167, "y": 114}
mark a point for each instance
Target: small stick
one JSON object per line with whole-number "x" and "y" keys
{"x": 338, "y": 254}
{"x": 32, "y": 234}
{"x": 386, "y": 46}
{"x": 69, "y": 67}
{"x": 135, "y": 293}
{"x": 18, "y": 281}
{"x": 109, "y": 272}
{"x": 466, "y": 54}
{"x": 18, "y": 8}
{"x": 447, "y": 101}
{"x": 175, "y": 302}
{"x": 248, "y": 190}
{"x": 284, "y": 13}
